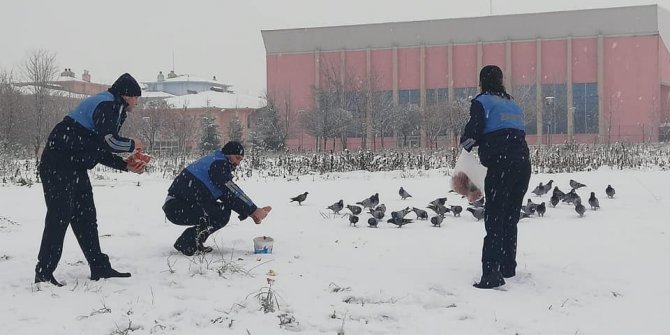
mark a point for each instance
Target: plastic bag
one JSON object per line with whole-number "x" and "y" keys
{"x": 467, "y": 164}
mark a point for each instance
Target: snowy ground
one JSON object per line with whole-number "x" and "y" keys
{"x": 601, "y": 274}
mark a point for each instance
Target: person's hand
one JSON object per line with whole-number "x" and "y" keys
{"x": 136, "y": 166}
{"x": 260, "y": 213}
{"x": 138, "y": 144}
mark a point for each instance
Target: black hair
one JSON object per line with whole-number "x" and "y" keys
{"x": 491, "y": 81}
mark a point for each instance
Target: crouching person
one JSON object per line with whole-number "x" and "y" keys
{"x": 203, "y": 195}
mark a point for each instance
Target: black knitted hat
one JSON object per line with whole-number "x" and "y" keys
{"x": 233, "y": 148}
{"x": 127, "y": 86}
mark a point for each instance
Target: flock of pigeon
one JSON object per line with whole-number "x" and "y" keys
{"x": 377, "y": 211}
{"x": 559, "y": 196}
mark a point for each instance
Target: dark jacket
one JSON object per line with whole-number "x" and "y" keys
{"x": 89, "y": 135}
{"x": 499, "y": 142}
{"x": 208, "y": 180}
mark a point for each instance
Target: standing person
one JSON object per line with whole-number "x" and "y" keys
{"x": 496, "y": 125}
{"x": 85, "y": 137}
{"x": 203, "y": 195}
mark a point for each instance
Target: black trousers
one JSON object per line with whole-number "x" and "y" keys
{"x": 69, "y": 199}
{"x": 505, "y": 186}
{"x": 203, "y": 219}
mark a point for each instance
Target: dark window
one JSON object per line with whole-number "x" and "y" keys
{"x": 408, "y": 97}
{"x": 585, "y": 99}
{"x": 555, "y": 110}
{"x": 437, "y": 96}
{"x": 524, "y": 95}
{"x": 465, "y": 92}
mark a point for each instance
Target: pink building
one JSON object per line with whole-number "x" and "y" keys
{"x": 594, "y": 76}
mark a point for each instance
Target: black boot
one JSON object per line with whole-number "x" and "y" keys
{"x": 491, "y": 276}
{"x": 508, "y": 271}
{"x": 202, "y": 233}
{"x": 44, "y": 278}
{"x": 186, "y": 242}
{"x": 107, "y": 272}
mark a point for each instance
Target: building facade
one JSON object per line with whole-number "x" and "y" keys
{"x": 592, "y": 76}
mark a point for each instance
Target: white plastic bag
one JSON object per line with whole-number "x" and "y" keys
{"x": 468, "y": 164}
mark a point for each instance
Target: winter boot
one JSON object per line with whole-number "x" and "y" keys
{"x": 186, "y": 242}
{"x": 107, "y": 272}
{"x": 202, "y": 233}
{"x": 508, "y": 271}
{"x": 44, "y": 278}
{"x": 491, "y": 276}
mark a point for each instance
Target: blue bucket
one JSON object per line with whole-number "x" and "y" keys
{"x": 263, "y": 245}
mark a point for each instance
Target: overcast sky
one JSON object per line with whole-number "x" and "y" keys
{"x": 210, "y": 37}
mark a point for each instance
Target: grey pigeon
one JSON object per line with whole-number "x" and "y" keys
{"x": 380, "y": 208}
{"x": 337, "y": 207}
{"x": 593, "y": 201}
{"x": 456, "y": 209}
{"x": 437, "y": 221}
{"x": 571, "y": 196}
{"x": 300, "y": 198}
{"x": 575, "y": 184}
{"x": 541, "y": 209}
{"x": 478, "y": 203}
{"x": 477, "y": 212}
{"x": 398, "y": 218}
{"x": 355, "y": 210}
{"x": 579, "y": 208}
{"x": 420, "y": 213}
{"x": 403, "y": 194}
{"x": 439, "y": 209}
{"x": 378, "y": 215}
{"x": 370, "y": 202}
{"x": 372, "y": 222}
{"x": 547, "y": 186}
{"x": 554, "y": 200}
{"x": 530, "y": 207}
{"x": 610, "y": 191}
{"x": 353, "y": 219}
{"x": 439, "y": 201}
{"x": 523, "y": 215}
{"x": 539, "y": 190}
{"x": 558, "y": 193}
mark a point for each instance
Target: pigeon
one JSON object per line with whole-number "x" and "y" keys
{"x": 439, "y": 210}
{"x": 554, "y": 200}
{"x": 610, "y": 191}
{"x": 539, "y": 190}
{"x": 355, "y": 210}
{"x": 353, "y": 219}
{"x": 570, "y": 196}
{"x": 477, "y": 212}
{"x": 372, "y": 222}
{"x": 579, "y": 208}
{"x": 370, "y": 202}
{"x": 593, "y": 201}
{"x": 456, "y": 209}
{"x": 300, "y": 198}
{"x": 397, "y": 218}
{"x": 420, "y": 213}
{"x": 530, "y": 207}
{"x": 523, "y": 215}
{"x": 575, "y": 184}
{"x": 541, "y": 209}
{"x": 558, "y": 193}
{"x": 378, "y": 215}
{"x": 336, "y": 207}
{"x": 478, "y": 203}
{"x": 403, "y": 194}
{"x": 547, "y": 186}
{"x": 380, "y": 208}
{"x": 437, "y": 221}
{"x": 438, "y": 201}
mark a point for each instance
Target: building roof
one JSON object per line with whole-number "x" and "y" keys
{"x": 633, "y": 20}
{"x": 215, "y": 100}
{"x": 190, "y": 78}
{"x": 156, "y": 94}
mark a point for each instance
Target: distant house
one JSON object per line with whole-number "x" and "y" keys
{"x": 184, "y": 84}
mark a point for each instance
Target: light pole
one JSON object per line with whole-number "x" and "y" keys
{"x": 549, "y": 101}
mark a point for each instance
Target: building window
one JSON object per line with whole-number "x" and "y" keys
{"x": 555, "y": 112}
{"x": 524, "y": 95}
{"x": 437, "y": 96}
{"x": 585, "y": 99}
{"x": 406, "y": 97}
{"x": 465, "y": 92}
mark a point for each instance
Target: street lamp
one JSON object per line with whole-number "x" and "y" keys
{"x": 549, "y": 101}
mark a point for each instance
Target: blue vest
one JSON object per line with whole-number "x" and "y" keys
{"x": 501, "y": 113}
{"x": 83, "y": 114}
{"x": 200, "y": 169}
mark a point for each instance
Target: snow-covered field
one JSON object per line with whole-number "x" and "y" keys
{"x": 604, "y": 273}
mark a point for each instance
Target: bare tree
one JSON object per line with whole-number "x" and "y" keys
{"x": 434, "y": 122}
{"x": 12, "y": 107}
{"x": 235, "y": 129}
{"x": 152, "y": 126}
{"x": 458, "y": 114}
{"x": 269, "y": 126}
{"x": 183, "y": 128}
{"x": 40, "y": 71}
